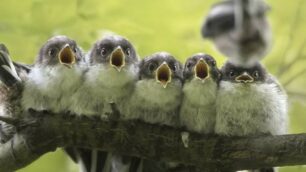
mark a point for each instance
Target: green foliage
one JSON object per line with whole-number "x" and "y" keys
{"x": 172, "y": 25}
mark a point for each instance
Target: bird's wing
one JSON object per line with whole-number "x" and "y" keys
{"x": 8, "y": 73}
{"x": 4, "y": 48}
{"x": 20, "y": 67}
{"x": 271, "y": 79}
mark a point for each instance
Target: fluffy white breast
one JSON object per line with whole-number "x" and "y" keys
{"x": 244, "y": 109}
{"x": 198, "y": 110}
{"x": 109, "y": 84}
{"x": 50, "y": 88}
{"x": 150, "y": 94}
{"x": 153, "y": 103}
{"x": 200, "y": 93}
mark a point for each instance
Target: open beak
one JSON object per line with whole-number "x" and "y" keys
{"x": 244, "y": 78}
{"x": 66, "y": 56}
{"x": 201, "y": 70}
{"x": 117, "y": 58}
{"x": 163, "y": 74}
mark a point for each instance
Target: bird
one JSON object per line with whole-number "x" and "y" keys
{"x": 156, "y": 98}
{"x": 157, "y": 93}
{"x": 55, "y": 76}
{"x": 198, "y": 108}
{"x": 12, "y": 76}
{"x": 239, "y": 29}
{"x": 111, "y": 76}
{"x": 250, "y": 101}
{"x": 110, "y": 79}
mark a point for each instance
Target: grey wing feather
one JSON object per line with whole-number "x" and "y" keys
{"x": 8, "y": 73}
{"x": 20, "y": 67}
{"x": 4, "y": 48}
{"x": 88, "y": 159}
{"x": 272, "y": 79}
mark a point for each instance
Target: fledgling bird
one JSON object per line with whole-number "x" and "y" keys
{"x": 156, "y": 97}
{"x": 111, "y": 76}
{"x": 250, "y": 101}
{"x": 55, "y": 76}
{"x": 113, "y": 71}
{"x": 157, "y": 93}
{"x": 239, "y": 29}
{"x": 198, "y": 108}
{"x": 12, "y": 76}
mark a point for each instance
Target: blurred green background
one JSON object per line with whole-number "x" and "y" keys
{"x": 159, "y": 25}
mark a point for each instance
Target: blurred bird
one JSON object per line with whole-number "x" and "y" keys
{"x": 250, "y": 102}
{"x": 111, "y": 77}
{"x": 55, "y": 76}
{"x": 239, "y": 29}
{"x": 156, "y": 98}
{"x": 198, "y": 108}
{"x": 12, "y": 76}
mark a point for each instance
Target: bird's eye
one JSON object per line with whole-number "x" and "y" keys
{"x": 255, "y": 74}
{"x": 189, "y": 64}
{"x": 173, "y": 67}
{"x": 232, "y": 74}
{"x": 152, "y": 66}
{"x": 103, "y": 51}
{"x": 213, "y": 63}
{"x": 74, "y": 49}
{"x": 128, "y": 52}
{"x": 52, "y": 52}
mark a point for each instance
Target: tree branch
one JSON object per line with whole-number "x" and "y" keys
{"x": 9, "y": 120}
{"x": 211, "y": 153}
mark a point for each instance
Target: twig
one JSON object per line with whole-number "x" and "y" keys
{"x": 294, "y": 77}
{"x": 294, "y": 61}
{"x": 298, "y": 95}
{"x": 10, "y": 120}
{"x": 294, "y": 26}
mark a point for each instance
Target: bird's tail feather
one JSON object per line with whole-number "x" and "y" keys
{"x": 264, "y": 170}
{"x": 99, "y": 161}
{"x": 122, "y": 163}
{"x": 89, "y": 160}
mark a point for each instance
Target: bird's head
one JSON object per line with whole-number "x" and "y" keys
{"x": 239, "y": 29}
{"x": 243, "y": 75}
{"x": 162, "y": 67}
{"x": 201, "y": 67}
{"x": 114, "y": 51}
{"x": 60, "y": 50}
